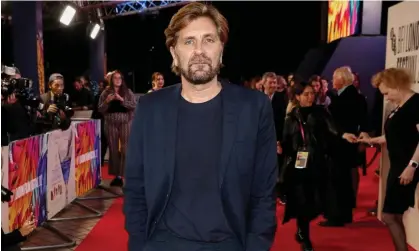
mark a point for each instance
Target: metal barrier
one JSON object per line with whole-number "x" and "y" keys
{"x": 97, "y": 214}
{"x": 106, "y": 189}
{"x": 68, "y": 244}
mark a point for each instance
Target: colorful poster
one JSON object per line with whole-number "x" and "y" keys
{"x": 61, "y": 175}
{"x": 27, "y": 180}
{"x": 87, "y": 151}
{"x": 343, "y": 19}
{"x": 4, "y": 183}
{"x": 40, "y": 60}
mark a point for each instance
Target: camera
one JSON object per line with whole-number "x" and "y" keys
{"x": 6, "y": 194}
{"x": 22, "y": 88}
{"x": 61, "y": 101}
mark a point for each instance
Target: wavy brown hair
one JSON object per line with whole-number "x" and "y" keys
{"x": 123, "y": 89}
{"x": 190, "y": 13}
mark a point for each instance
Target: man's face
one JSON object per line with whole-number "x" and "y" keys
{"x": 270, "y": 85}
{"x": 198, "y": 51}
{"x": 337, "y": 82}
{"x": 281, "y": 84}
{"x": 57, "y": 87}
{"x": 78, "y": 85}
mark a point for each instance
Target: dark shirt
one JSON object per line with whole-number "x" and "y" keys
{"x": 116, "y": 106}
{"x": 402, "y": 134}
{"x": 82, "y": 98}
{"x": 194, "y": 211}
{"x": 10, "y": 241}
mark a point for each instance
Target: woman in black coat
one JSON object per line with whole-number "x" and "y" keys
{"x": 307, "y": 138}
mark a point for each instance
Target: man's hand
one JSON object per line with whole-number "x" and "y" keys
{"x": 85, "y": 108}
{"x": 11, "y": 99}
{"x": 52, "y": 108}
{"x": 351, "y": 138}
{"x": 27, "y": 227}
{"x": 278, "y": 147}
{"x": 62, "y": 114}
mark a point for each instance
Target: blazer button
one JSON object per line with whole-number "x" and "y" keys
{"x": 155, "y": 223}
{"x": 167, "y": 195}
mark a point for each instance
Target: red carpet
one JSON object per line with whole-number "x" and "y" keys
{"x": 365, "y": 234}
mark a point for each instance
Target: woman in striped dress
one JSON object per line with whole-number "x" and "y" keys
{"x": 117, "y": 104}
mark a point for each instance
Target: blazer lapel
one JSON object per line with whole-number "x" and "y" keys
{"x": 229, "y": 129}
{"x": 171, "y": 130}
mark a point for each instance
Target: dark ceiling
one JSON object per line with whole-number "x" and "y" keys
{"x": 51, "y": 11}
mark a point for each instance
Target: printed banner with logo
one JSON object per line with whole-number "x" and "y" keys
{"x": 61, "y": 170}
{"x": 87, "y": 154}
{"x": 27, "y": 179}
{"x": 402, "y": 52}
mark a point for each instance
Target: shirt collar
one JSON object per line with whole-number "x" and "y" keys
{"x": 341, "y": 90}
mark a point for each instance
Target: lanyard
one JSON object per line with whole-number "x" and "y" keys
{"x": 302, "y": 133}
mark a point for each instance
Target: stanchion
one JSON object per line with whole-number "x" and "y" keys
{"x": 106, "y": 189}
{"x": 68, "y": 244}
{"x": 97, "y": 214}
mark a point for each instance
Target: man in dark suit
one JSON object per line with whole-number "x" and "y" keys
{"x": 349, "y": 111}
{"x": 201, "y": 161}
{"x": 279, "y": 102}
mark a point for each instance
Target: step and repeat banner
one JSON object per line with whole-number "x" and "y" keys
{"x": 47, "y": 172}
{"x": 402, "y": 52}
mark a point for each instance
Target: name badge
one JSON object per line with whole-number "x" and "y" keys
{"x": 302, "y": 159}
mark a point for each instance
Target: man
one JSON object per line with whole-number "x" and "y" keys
{"x": 16, "y": 123}
{"x": 279, "y": 103}
{"x": 201, "y": 162}
{"x": 49, "y": 99}
{"x": 349, "y": 112}
{"x": 82, "y": 98}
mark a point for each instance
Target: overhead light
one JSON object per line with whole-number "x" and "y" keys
{"x": 67, "y": 15}
{"x": 94, "y": 31}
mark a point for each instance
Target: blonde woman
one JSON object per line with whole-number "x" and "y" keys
{"x": 401, "y": 135}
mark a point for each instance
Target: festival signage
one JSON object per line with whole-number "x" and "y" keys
{"x": 87, "y": 155}
{"x": 26, "y": 178}
{"x": 61, "y": 170}
{"x": 402, "y": 51}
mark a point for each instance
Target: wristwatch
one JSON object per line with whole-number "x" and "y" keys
{"x": 414, "y": 164}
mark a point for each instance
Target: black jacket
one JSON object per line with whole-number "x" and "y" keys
{"x": 307, "y": 184}
{"x": 10, "y": 241}
{"x": 247, "y": 170}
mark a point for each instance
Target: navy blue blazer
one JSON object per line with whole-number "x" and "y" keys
{"x": 248, "y": 165}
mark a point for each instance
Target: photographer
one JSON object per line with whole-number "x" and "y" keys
{"x": 57, "y": 113}
{"x": 15, "y": 121}
{"x": 10, "y": 241}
